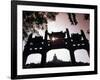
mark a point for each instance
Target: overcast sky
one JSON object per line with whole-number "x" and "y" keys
{"x": 62, "y": 22}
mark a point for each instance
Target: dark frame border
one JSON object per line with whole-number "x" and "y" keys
{"x": 14, "y": 38}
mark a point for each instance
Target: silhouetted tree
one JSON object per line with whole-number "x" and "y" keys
{"x": 86, "y": 16}
{"x": 32, "y": 20}
{"x": 72, "y": 18}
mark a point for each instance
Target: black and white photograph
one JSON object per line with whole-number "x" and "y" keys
{"x": 53, "y": 39}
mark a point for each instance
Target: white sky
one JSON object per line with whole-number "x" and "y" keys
{"x": 62, "y": 22}
{"x": 62, "y": 54}
{"x": 34, "y": 58}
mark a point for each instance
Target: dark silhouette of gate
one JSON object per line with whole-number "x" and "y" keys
{"x": 56, "y": 40}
